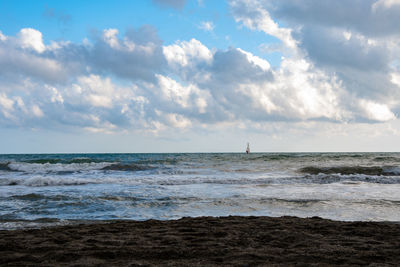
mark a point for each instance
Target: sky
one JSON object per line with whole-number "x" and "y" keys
{"x": 199, "y": 76}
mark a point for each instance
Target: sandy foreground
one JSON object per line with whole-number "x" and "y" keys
{"x": 205, "y": 241}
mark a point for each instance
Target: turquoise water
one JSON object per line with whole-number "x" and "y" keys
{"x": 48, "y": 189}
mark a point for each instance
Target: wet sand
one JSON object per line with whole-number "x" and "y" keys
{"x": 205, "y": 241}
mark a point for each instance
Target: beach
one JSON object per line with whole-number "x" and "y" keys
{"x": 205, "y": 241}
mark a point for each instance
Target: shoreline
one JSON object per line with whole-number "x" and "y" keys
{"x": 199, "y": 241}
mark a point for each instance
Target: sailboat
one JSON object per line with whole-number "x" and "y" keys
{"x": 248, "y": 148}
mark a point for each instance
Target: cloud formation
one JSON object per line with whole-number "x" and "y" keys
{"x": 354, "y": 41}
{"x": 337, "y": 67}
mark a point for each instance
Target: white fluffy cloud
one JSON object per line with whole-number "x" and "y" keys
{"x": 31, "y": 38}
{"x": 187, "y": 53}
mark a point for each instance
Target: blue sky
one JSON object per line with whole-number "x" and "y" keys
{"x": 199, "y": 76}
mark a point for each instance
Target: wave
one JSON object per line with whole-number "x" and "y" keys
{"x": 386, "y": 159}
{"x": 348, "y": 170}
{"x": 66, "y": 168}
{"x": 123, "y": 198}
{"x": 55, "y": 167}
{"x": 11, "y": 223}
{"x": 115, "y": 174}
{"x": 35, "y": 197}
{"x": 5, "y": 167}
{"x": 126, "y": 167}
{"x": 38, "y": 181}
{"x": 63, "y": 161}
{"x": 348, "y": 179}
{"x": 42, "y": 181}
{"x": 311, "y": 156}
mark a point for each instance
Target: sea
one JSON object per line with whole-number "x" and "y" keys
{"x": 40, "y": 190}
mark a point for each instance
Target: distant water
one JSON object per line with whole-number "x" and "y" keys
{"x": 50, "y": 189}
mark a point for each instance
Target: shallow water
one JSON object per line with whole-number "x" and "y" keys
{"x": 37, "y": 190}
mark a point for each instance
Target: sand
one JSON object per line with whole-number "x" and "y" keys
{"x": 205, "y": 241}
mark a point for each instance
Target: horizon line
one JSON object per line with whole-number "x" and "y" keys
{"x": 237, "y": 152}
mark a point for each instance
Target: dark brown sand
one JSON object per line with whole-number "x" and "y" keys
{"x": 242, "y": 241}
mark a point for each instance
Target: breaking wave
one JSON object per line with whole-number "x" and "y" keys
{"x": 63, "y": 161}
{"x": 352, "y": 178}
{"x": 349, "y": 170}
{"x": 38, "y": 181}
{"x": 55, "y": 167}
{"x": 64, "y": 168}
{"x": 5, "y": 167}
{"x": 163, "y": 180}
{"x": 387, "y": 159}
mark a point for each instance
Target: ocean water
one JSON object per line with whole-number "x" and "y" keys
{"x": 50, "y": 189}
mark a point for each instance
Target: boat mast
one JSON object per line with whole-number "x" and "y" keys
{"x": 248, "y": 148}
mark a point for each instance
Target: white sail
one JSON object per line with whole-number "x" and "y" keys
{"x": 248, "y": 148}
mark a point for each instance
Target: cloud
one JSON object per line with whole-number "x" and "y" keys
{"x": 371, "y": 18}
{"x": 31, "y": 39}
{"x": 207, "y": 26}
{"x": 187, "y": 56}
{"x": 331, "y": 47}
{"x": 26, "y": 55}
{"x": 244, "y": 86}
{"x": 254, "y": 16}
{"x": 177, "y": 4}
{"x": 131, "y": 81}
{"x": 377, "y": 112}
{"x": 385, "y": 4}
{"x": 352, "y": 42}
{"x": 2, "y": 37}
{"x": 137, "y": 55}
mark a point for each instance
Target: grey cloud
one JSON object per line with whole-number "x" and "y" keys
{"x": 229, "y": 65}
{"x": 144, "y": 35}
{"x": 230, "y": 69}
{"x": 138, "y": 57}
{"x": 15, "y": 62}
{"x": 354, "y": 41}
{"x": 370, "y": 85}
{"x": 363, "y": 59}
{"x": 330, "y": 48}
{"x": 358, "y": 15}
{"x": 141, "y": 62}
{"x": 221, "y": 77}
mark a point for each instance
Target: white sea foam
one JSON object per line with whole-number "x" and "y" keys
{"x": 38, "y": 179}
{"x": 57, "y": 167}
